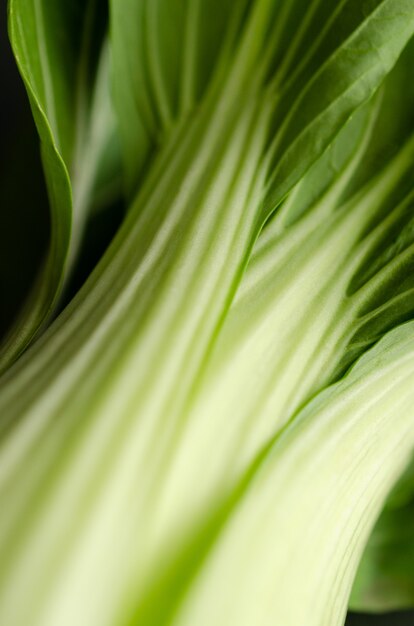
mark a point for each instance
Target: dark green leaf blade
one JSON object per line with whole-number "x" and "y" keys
{"x": 64, "y": 65}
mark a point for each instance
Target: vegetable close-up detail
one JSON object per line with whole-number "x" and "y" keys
{"x": 207, "y": 378}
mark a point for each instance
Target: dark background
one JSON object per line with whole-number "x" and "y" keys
{"x": 24, "y": 220}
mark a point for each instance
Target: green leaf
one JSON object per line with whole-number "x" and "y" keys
{"x": 63, "y": 61}
{"x": 165, "y": 54}
{"x": 156, "y": 86}
{"x": 384, "y": 580}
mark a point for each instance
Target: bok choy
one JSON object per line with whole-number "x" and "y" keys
{"x": 209, "y": 430}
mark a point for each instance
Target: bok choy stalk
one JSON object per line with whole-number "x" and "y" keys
{"x": 160, "y": 439}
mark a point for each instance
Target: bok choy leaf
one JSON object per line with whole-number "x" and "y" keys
{"x": 62, "y": 54}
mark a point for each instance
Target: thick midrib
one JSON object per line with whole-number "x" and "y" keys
{"x": 220, "y": 210}
{"x": 266, "y": 396}
{"x": 305, "y": 328}
{"x": 224, "y": 93}
{"x": 312, "y": 448}
{"x": 124, "y": 256}
{"x": 264, "y": 286}
{"x": 123, "y": 273}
